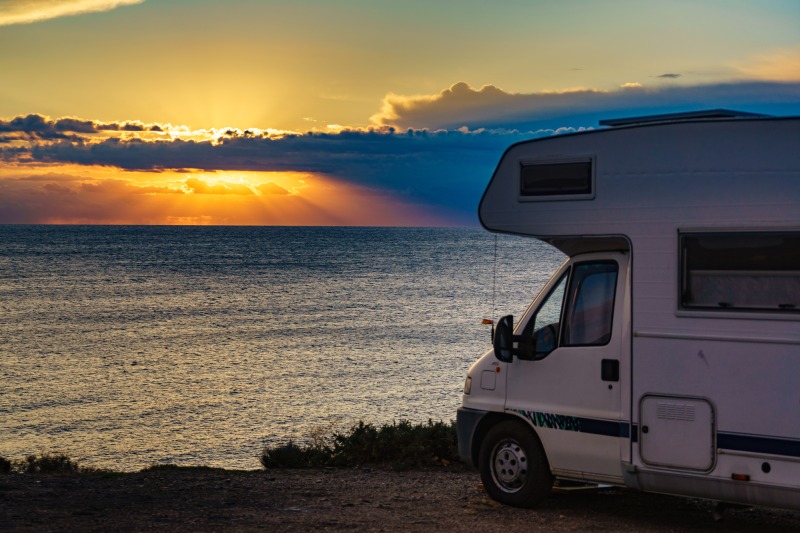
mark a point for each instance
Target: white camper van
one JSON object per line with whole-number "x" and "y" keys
{"x": 664, "y": 354}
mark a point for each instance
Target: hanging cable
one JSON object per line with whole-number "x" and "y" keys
{"x": 494, "y": 289}
{"x": 494, "y": 279}
{"x": 494, "y": 285}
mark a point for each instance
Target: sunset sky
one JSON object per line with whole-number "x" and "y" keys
{"x": 344, "y": 112}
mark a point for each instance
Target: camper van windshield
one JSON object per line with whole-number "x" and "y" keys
{"x": 750, "y": 271}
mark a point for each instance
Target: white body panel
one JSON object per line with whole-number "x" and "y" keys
{"x": 726, "y": 381}
{"x": 566, "y": 388}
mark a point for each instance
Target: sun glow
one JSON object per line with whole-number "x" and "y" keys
{"x": 242, "y": 183}
{"x": 73, "y": 194}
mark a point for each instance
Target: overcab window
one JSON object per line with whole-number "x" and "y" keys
{"x": 741, "y": 271}
{"x": 550, "y": 180}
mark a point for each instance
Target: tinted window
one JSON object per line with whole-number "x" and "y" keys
{"x": 556, "y": 179}
{"x": 590, "y": 304}
{"x": 753, "y": 271}
{"x": 550, "y": 311}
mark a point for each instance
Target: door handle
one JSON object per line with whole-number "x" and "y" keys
{"x": 609, "y": 370}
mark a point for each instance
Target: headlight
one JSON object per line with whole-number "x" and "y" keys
{"x": 467, "y": 385}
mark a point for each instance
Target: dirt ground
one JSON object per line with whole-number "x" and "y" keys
{"x": 341, "y": 500}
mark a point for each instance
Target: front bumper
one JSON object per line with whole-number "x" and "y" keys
{"x": 467, "y": 421}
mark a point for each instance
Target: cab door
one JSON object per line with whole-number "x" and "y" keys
{"x": 570, "y": 386}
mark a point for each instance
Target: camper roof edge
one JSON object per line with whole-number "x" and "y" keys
{"x": 674, "y": 117}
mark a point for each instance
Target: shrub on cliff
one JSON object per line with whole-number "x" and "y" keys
{"x": 47, "y": 464}
{"x": 401, "y": 445}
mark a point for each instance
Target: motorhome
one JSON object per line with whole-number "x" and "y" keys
{"x": 664, "y": 354}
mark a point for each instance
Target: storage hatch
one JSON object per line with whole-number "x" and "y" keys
{"x": 677, "y": 432}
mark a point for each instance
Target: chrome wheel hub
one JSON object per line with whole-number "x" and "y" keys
{"x": 509, "y": 466}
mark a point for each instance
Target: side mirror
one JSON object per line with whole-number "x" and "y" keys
{"x": 503, "y": 341}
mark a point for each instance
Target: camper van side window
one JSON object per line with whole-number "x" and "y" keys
{"x": 741, "y": 271}
{"x": 590, "y": 304}
{"x": 556, "y": 179}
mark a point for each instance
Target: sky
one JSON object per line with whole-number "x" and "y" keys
{"x": 345, "y": 112}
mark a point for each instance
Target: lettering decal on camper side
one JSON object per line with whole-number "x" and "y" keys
{"x": 551, "y": 421}
{"x": 595, "y": 426}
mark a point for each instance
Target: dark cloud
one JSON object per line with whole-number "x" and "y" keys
{"x": 28, "y": 123}
{"x": 42, "y": 127}
{"x": 75, "y": 125}
{"x": 34, "y": 126}
{"x": 669, "y": 75}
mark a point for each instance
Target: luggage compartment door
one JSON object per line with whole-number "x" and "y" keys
{"x": 677, "y": 432}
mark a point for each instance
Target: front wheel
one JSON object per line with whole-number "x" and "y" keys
{"x": 513, "y": 467}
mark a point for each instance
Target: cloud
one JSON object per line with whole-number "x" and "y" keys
{"x": 62, "y": 198}
{"x": 57, "y": 188}
{"x": 75, "y": 125}
{"x": 457, "y": 106}
{"x": 491, "y": 107}
{"x": 436, "y": 152}
{"x": 384, "y": 157}
{"x": 270, "y": 188}
{"x": 441, "y": 172}
{"x": 198, "y": 186}
{"x": 59, "y": 198}
{"x": 36, "y": 126}
{"x": 669, "y": 75}
{"x": 29, "y": 11}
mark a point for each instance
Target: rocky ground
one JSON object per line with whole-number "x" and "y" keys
{"x": 340, "y": 500}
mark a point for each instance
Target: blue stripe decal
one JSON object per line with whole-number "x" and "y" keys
{"x": 728, "y": 441}
{"x": 594, "y": 426}
{"x": 758, "y": 444}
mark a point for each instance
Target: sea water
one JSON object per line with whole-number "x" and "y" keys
{"x": 127, "y": 346}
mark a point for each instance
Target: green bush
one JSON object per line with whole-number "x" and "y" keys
{"x": 401, "y": 445}
{"x": 47, "y": 464}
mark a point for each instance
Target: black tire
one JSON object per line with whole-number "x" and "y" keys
{"x": 513, "y": 466}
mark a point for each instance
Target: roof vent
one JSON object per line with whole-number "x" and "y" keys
{"x": 674, "y": 117}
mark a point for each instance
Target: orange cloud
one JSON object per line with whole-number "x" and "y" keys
{"x": 272, "y": 188}
{"x": 59, "y": 196}
{"x": 198, "y": 186}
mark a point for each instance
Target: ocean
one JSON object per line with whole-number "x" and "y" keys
{"x": 128, "y": 346}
